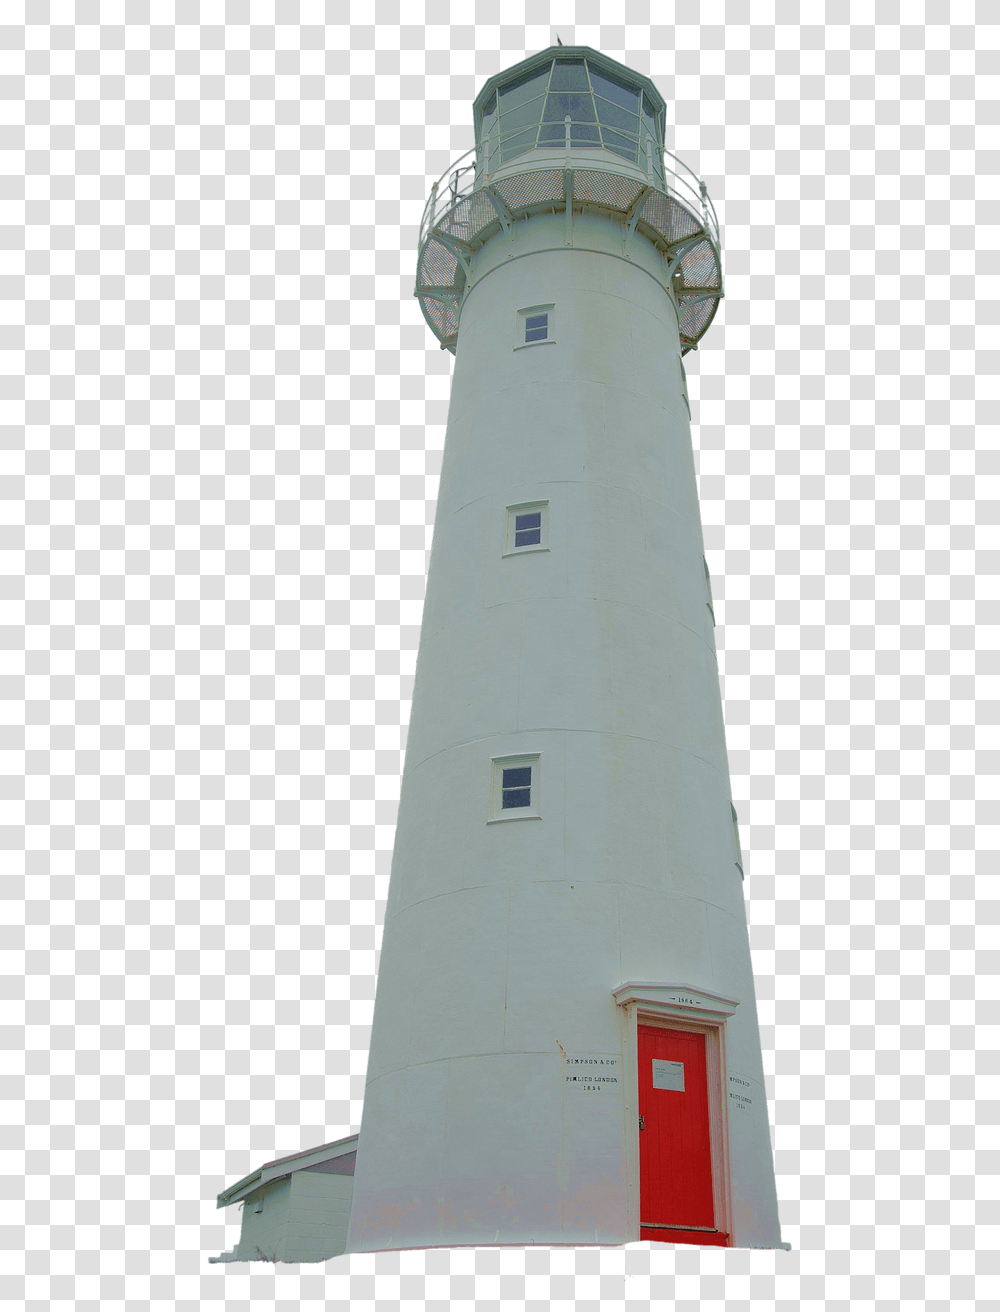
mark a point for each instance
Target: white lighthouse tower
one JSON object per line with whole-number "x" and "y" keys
{"x": 565, "y": 1046}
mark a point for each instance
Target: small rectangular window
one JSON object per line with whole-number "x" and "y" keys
{"x": 534, "y": 325}
{"x": 515, "y": 788}
{"x": 527, "y": 528}
{"x": 736, "y": 841}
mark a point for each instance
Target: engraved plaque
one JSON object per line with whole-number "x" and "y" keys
{"x": 593, "y": 1073}
{"x": 668, "y": 1075}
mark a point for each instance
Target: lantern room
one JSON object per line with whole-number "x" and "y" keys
{"x": 570, "y": 98}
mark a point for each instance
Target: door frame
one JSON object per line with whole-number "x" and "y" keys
{"x": 678, "y": 1007}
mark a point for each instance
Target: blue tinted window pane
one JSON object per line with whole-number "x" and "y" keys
{"x": 536, "y": 320}
{"x": 517, "y": 145}
{"x": 652, "y": 120}
{"x": 524, "y": 117}
{"x": 552, "y": 134}
{"x": 614, "y": 141}
{"x": 521, "y": 91}
{"x": 516, "y": 797}
{"x": 536, "y": 334}
{"x": 569, "y": 75}
{"x": 614, "y": 91}
{"x": 617, "y": 118}
{"x": 517, "y": 776}
{"x": 530, "y": 537}
{"x": 584, "y": 135}
{"x": 533, "y": 520}
{"x": 580, "y": 108}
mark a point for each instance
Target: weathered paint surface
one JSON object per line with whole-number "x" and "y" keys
{"x": 262, "y": 1234}
{"x": 304, "y": 1219}
{"x": 503, "y": 942}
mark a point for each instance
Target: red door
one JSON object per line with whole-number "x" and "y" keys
{"x": 675, "y": 1156}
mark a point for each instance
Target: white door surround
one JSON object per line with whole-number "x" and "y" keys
{"x": 678, "y": 1007}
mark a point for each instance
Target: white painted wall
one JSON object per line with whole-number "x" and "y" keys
{"x": 304, "y": 1219}
{"x": 503, "y": 942}
{"x": 262, "y": 1234}
{"x": 319, "y": 1211}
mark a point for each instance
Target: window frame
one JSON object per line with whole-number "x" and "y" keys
{"x": 498, "y": 764}
{"x": 512, "y": 513}
{"x": 521, "y": 326}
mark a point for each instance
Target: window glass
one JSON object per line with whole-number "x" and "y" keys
{"x": 624, "y": 96}
{"x": 520, "y": 92}
{"x": 569, "y": 75}
{"x": 536, "y": 327}
{"x": 620, "y": 145}
{"x": 582, "y": 134}
{"x": 518, "y": 144}
{"x": 526, "y": 526}
{"x": 579, "y": 107}
{"x": 522, "y": 117}
{"x": 528, "y": 529}
{"x": 516, "y": 787}
{"x": 616, "y": 117}
{"x": 552, "y": 134}
{"x": 649, "y": 122}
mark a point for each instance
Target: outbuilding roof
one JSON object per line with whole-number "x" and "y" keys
{"x": 282, "y": 1166}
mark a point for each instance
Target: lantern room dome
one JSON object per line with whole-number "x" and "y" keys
{"x": 570, "y": 97}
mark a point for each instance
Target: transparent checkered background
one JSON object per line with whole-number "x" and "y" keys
{"x": 223, "y": 423}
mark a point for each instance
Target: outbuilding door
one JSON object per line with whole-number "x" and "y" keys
{"x": 676, "y": 1199}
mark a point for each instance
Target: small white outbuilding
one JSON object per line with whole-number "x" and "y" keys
{"x": 297, "y": 1208}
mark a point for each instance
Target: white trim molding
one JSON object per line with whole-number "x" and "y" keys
{"x": 678, "y": 1006}
{"x": 497, "y": 814}
{"x": 521, "y": 328}
{"x": 677, "y": 1001}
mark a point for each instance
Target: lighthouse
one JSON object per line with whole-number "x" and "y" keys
{"x": 565, "y": 1046}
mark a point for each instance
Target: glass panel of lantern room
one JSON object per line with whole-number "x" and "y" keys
{"x": 488, "y": 137}
{"x": 489, "y": 117}
{"x": 651, "y": 127}
{"x": 525, "y": 116}
{"x": 569, "y": 75}
{"x": 623, "y": 96}
{"x": 579, "y": 106}
{"x": 624, "y": 146}
{"x": 517, "y": 144}
{"x": 523, "y": 89}
{"x": 617, "y": 118}
{"x": 520, "y": 111}
{"x": 620, "y": 129}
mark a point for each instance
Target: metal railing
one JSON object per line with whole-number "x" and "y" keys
{"x": 466, "y": 174}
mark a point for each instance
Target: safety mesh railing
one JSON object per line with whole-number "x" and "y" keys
{"x": 439, "y": 263}
{"x": 614, "y": 190}
{"x": 469, "y": 217}
{"x": 463, "y": 212}
{"x": 460, "y": 179}
{"x": 700, "y": 267}
{"x": 664, "y": 215}
{"x": 531, "y": 188}
{"x": 695, "y": 318}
